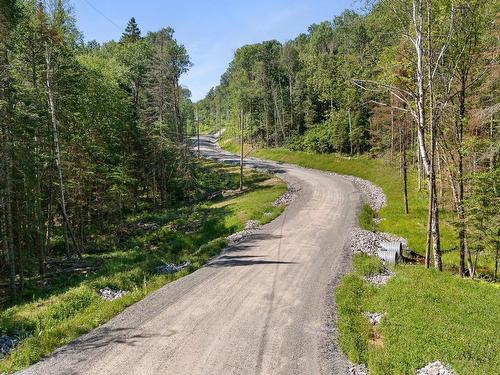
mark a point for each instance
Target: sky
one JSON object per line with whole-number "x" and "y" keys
{"x": 210, "y": 30}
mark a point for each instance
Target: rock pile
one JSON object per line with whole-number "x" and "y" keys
{"x": 251, "y": 227}
{"x": 358, "y": 370}
{"x": 380, "y": 279}
{"x": 368, "y": 242}
{"x": 252, "y": 224}
{"x": 436, "y": 368}
{"x": 169, "y": 268}
{"x": 7, "y": 343}
{"x": 111, "y": 294}
{"x": 288, "y": 197}
{"x": 374, "y": 318}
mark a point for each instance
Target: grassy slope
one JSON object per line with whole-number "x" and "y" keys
{"x": 63, "y": 311}
{"x": 430, "y": 316}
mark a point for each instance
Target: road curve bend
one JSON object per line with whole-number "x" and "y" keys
{"x": 262, "y": 307}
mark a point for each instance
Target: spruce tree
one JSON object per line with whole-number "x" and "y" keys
{"x": 132, "y": 32}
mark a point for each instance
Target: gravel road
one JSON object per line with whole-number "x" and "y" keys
{"x": 264, "y": 306}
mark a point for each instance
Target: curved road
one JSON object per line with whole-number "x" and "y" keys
{"x": 262, "y": 307}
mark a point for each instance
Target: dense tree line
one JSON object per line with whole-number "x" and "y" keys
{"x": 418, "y": 79}
{"x": 88, "y": 132}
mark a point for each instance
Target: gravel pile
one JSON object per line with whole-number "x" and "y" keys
{"x": 436, "y": 368}
{"x": 380, "y": 279}
{"x": 7, "y": 343}
{"x": 170, "y": 268}
{"x": 251, "y": 227}
{"x": 374, "y": 318}
{"x": 358, "y": 370}
{"x": 288, "y": 197}
{"x": 372, "y": 194}
{"x": 252, "y": 224}
{"x": 368, "y": 242}
{"x": 111, "y": 294}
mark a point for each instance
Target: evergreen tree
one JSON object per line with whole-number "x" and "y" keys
{"x": 132, "y": 32}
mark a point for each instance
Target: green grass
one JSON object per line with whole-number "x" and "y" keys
{"x": 393, "y": 220}
{"x": 365, "y": 265}
{"x": 430, "y": 316}
{"x": 69, "y": 307}
{"x": 365, "y": 218}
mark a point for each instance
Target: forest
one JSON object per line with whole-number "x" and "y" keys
{"x": 89, "y": 134}
{"x": 415, "y": 83}
{"x": 105, "y": 198}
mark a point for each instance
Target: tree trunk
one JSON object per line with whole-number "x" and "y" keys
{"x": 404, "y": 166}
{"x": 241, "y": 150}
{"x": 8, "y": 167}
{"x": 460, "y": 177}
{"x": 433, "y": 229}
{"x": 290, "y": 89}
{"x": 57, "y": 154}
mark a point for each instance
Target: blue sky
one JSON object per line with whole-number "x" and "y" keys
{"x": 210, "y": 30}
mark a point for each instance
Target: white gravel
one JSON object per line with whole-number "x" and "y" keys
{"x": 251, "y": 227}
{"x": 365, "y": 241}
{"x": 358, "y": 370}
{"x": 374, "y": 318}
{"x": 436, "y": 368}
{"x": 288, "y": 197}
{"x": 252, "y": 224}
{"x": 111, "y": 294}
{"x": 381, "y": 279}
{"x": 170, "y": 268}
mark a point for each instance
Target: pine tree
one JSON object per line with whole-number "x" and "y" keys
{"x": 132, "y": 32}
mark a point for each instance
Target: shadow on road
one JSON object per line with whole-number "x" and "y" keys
{"x": 105, "y": 336}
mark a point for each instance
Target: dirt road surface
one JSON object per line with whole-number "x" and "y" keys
{"x": 264, "y": 306}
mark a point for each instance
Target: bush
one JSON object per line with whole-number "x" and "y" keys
{"x": 319, "y": 139}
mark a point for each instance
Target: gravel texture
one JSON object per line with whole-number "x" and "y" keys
{"x": 7, "y": 343}
{"x": 110, "y": 294}
{"x": 365, "y": 241}
{"x": 252, "y": 224}
{"x": 436, "y": 368}
{"x": 251, "y": 227}
{"x": 288, "y": 197}
{"x": 380, "y": 279}
{"x": 358, "y": 370}
{"x": 170, "y": 268}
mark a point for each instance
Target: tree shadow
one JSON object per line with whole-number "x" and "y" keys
{"x": 244, "y": 260}
{"x": 105, "y": 336}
